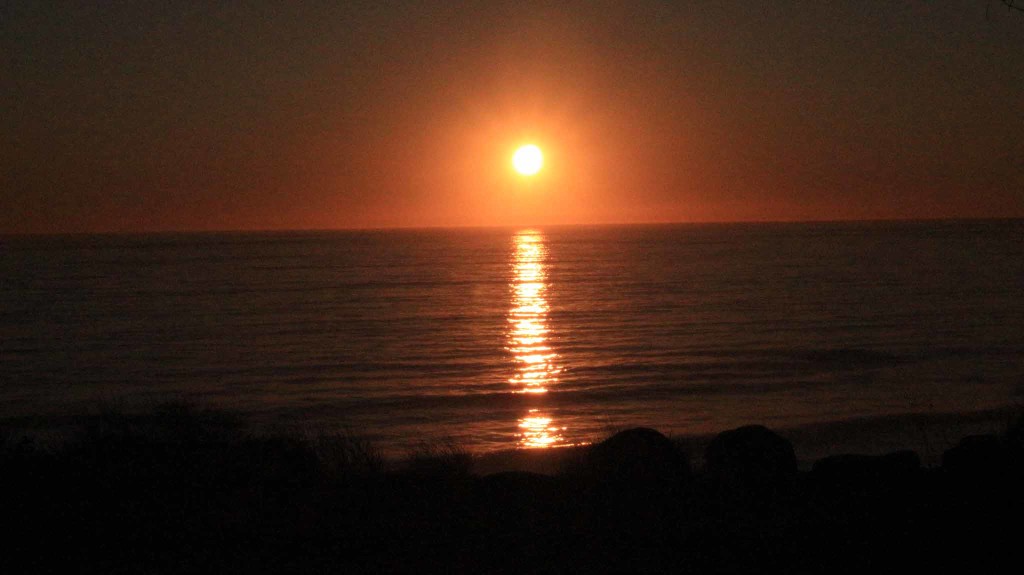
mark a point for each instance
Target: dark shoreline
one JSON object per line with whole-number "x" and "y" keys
{"x": 183, "y": 489}
{"x": 929, "y": 434}
{"x": 925, "y": 432}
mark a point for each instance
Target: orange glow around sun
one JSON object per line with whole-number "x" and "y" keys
{"x": 528, "y": 160}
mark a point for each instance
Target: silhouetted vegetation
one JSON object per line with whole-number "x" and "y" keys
{"x": 1013, "y": 5}
{"x": 183, "y": 489}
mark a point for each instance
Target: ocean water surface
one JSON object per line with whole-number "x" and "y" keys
{"x": 503, "y": 338}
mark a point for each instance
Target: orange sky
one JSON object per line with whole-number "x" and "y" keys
{"x": 271, "y": 116}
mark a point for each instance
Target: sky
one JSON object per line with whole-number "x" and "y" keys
{"x": 161, "y": 116}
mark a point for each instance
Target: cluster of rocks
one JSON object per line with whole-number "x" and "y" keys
{"x": 636, "y": 502}
{"x": 643, "y": 506}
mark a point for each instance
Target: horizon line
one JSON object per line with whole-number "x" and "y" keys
{"x": 182, "y": 231}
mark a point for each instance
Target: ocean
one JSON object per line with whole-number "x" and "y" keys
{"x": 520, "y": 338}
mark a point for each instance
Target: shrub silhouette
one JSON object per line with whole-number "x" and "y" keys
{"x": 186, "y": 489}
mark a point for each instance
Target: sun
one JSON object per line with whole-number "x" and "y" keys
{"x": 528, "y": 160}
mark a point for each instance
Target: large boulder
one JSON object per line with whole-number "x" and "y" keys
{"x": 750, "y": 457}
{"x": 638, "y": 457}
{"x": 635, "y": 489}
{"x": 1015, "y": 434}
{"x": 979, "y": 458}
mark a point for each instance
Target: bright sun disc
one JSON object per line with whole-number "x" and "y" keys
{"x": 528, "y": 160}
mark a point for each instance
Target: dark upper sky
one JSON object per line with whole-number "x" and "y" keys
{"x": 121, "y": 116}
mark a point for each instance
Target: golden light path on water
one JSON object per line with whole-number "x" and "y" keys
{"x": 535, "y": 362}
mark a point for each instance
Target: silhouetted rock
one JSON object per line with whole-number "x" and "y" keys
{"x": 638, "y": 457}
{"x": 632, "y": 479}
{"x": 752, "y": 454}
{"x": 1015, "y": 434}
{"x": 982, "y": 502}
{"x": 635, "y": 495}
{"x": 977, "y": 457}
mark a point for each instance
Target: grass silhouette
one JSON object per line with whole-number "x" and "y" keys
{"x": 183, "y": 489}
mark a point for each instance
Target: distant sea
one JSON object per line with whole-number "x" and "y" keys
{"x": 503, "y": 338}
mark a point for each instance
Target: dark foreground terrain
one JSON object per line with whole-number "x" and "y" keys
{"x": 183, "y": 490}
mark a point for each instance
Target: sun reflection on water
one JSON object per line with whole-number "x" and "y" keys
{"x": 538, "y": 431}
{"x": 536, "y": 367}
{"x": 535, "y": 361}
